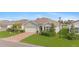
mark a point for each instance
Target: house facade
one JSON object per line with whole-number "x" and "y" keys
{"x": 30, "y": 27}
{"x": 75, "y": 24}
{"x": 45, "y": 24}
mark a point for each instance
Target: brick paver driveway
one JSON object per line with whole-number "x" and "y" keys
{"x": 14, "y": 41}
{"x": 19, "y": 37}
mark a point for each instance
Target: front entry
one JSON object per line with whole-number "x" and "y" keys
{"x": 40, "y": 28}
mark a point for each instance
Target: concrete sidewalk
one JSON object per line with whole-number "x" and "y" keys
{"x": 4, "y": 43}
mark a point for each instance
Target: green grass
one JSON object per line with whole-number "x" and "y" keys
{"x": 50, "y": 41}
{"x": 4, "y": 34}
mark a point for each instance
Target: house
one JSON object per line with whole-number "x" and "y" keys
{"x": 76, "y": 26}
{"x": 45, "y": 24}
{"x": 5, "y": 24}
{"x": 28, "y": 26}
{"x": 31, "y": 26}
{"x": 36, "y": 25}
{"x": 73, "y": 23}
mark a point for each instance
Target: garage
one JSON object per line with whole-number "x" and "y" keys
{"x": 30, "y": 27}
{"x": 30, "y": 30}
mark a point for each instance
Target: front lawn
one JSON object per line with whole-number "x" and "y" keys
{"x": 50, "y": 41}
{"x": 4, "y": 34}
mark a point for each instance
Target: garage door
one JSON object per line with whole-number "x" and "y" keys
{"x": 30, "y": 30}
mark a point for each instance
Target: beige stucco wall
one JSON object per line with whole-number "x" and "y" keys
{"x": 57, "y": 29}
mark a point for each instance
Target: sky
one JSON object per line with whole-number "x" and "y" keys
{"x": 34, "y": 15}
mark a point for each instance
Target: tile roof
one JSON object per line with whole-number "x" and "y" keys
{"x": 25, "y": 22}
{"x": 43, "y": 20}
{"x": 46, "y": 21}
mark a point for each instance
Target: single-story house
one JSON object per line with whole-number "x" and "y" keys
{"x": 32, "y": 26}
{"x": 45, "y": 23}
{"x": 28, "y": 26}
{"x": 5, "y": 24}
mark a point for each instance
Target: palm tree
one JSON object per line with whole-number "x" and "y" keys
{"x": 60, "y": 23}
{"x": 70, "y": 24}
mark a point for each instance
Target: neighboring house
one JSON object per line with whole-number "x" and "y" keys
{"x": 31, "y": 26}
{"x": 5, "y": 24}
{"x": 76, "y": 25}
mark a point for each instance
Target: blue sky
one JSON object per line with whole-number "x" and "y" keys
{"x": 34, "y": 15}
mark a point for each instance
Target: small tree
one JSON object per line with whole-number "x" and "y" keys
{"x": 69, "y": 35}
{"x": 52, "y": 30}
{"x": 16, "y": 28}
{"x": 72, "y": 35}
{"x": 63, "y": 33}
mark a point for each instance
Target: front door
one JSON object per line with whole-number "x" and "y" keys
{"x": 40, "y": 28}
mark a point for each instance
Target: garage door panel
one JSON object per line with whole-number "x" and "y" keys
{"x": 30, "y": 29}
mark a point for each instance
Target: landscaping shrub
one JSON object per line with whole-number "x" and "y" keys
{"x": 10, "y": 30}
{"x": 22, "y": 30}
{"x": 71, "y": 36}
{"x": 14, "y": 30}
{"x": 64, "y": 33}
{"x": 45, "y": 33}
{"x": 77, "y": 36}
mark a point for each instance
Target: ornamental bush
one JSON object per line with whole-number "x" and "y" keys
{"x": 64, "y": 33}
{"x": 71, "y": 36}
{"x": 45, "y": 33}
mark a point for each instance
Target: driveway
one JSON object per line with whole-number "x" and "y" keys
{"x": 19, "y": 37}
{"x": 4, "y": 43}
{"x": 14, "y": 41}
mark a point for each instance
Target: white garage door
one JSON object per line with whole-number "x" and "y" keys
{"x": 30, "y": 30}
